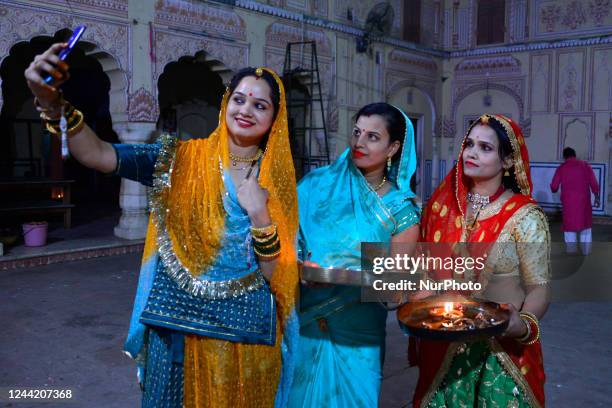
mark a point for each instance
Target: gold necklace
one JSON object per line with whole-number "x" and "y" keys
{"x": 235, "y": 159}
{"x": 379, "y": 186}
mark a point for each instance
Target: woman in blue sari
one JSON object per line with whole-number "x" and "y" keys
{"x": 364, "y": 196}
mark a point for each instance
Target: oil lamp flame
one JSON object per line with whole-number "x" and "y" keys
{"x": 57, "y": 193}
{"x": 448, "y": 307}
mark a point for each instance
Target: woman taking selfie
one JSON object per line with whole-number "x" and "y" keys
{"x": 218, "y": 282}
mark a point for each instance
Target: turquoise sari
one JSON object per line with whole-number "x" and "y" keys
{"x": 341, "y": 350}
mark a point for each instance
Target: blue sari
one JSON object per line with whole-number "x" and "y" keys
{"x": 342, "y": 340}
{"x": 164, "y": 313}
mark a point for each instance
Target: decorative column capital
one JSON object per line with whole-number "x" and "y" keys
{"x": 142, "y": 106}
{"x": 135, "y": 132}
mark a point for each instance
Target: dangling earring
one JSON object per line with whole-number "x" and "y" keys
{"x": 388, "y": 165}
{"x": 506, "y": 173}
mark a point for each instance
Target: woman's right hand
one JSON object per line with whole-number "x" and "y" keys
{"x": 47, "y": 63}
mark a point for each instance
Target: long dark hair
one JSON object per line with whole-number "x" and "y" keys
{"x": 504, "y": 150}
{"x": 394, "y": 122}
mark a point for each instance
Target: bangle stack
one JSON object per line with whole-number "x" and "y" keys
{"x": 74, "y": 120}
{"x": 69, "y": 122}
{"x": 533, "y": 328}
{"x": 266, "y": 242}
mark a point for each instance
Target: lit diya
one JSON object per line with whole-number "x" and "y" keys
{"x": 453, "y": 319}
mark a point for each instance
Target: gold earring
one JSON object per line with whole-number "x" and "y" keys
{"x": 506, "y": 173}
{"x": 388, "y": 164}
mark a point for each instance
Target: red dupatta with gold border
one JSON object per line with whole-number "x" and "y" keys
{"x": 443, "y": 220}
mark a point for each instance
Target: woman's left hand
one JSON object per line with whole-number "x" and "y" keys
{"x": 253, "y": 198}
{"x": 310, "y": 284}
{"x": 516, "y": 328}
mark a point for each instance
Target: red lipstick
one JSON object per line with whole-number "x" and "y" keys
{"x": 358, "y": 155}
{"x": 470, "y": 164}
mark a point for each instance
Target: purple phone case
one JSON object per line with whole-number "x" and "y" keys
{"x": 74, "y": 38}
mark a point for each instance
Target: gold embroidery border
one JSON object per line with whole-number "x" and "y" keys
{"x": 442, "y": 371}
{"x": 520, "y": 173}
{"x": 494, "y": 208}
{"x": 542, "y": 217}
{"x": 503, "y": 358}
{"x": 507, "y": 363}
{"x": 207, "y": 289}
{"x": 519, "y": 167}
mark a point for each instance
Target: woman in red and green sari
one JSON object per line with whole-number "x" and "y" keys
{"x": 487, "y": 199}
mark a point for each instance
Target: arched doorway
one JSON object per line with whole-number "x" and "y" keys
{"x": 419, "y": 107}
{"x": 190, "y": 92}
{"x": 29, "y": 152}
{"x": 471, "y": 105}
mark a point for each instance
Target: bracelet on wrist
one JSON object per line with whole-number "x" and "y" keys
{"x": 267, "y": 256}
{"x": 267, "y": 240}
{"x": 74, "y": 125}
{"x": 271, "y": 244}
{"x": 534, "y": 328}
{"x": 267, "y": 248}
{"x": 527, "y": 335}
{"x": 263, "y": 232}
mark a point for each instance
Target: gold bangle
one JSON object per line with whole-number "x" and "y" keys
{"x": 73, "y": 129}
{"x": 261, "y": 232}
{"x": 69, "y": 113}
{"x": 260, "y": 246}
{"x": 272, "y": 255}
{"x": 51, "y": 129}
{"x": 534, "y": 319}
{"x": 529, "y": 315}
{"x": 267, "y": 229}
{"x": 267, "y": 239}
{"x": 528, "y": 334}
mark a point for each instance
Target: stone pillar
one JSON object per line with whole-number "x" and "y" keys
{"x": 136, "y": 123}
{"x": 133, "y": 195}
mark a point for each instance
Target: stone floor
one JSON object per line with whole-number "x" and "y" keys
{"x": 64, "y": 324}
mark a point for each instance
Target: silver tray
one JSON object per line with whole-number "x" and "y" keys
{"x": 336, "y": 276}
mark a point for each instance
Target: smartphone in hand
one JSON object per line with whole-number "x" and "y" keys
{"x": 74, "y": 38}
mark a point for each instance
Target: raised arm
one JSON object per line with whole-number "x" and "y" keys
{"x": 84, "y": 144}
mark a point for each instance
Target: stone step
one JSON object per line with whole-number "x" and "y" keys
{"x": 66, "y": 251}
